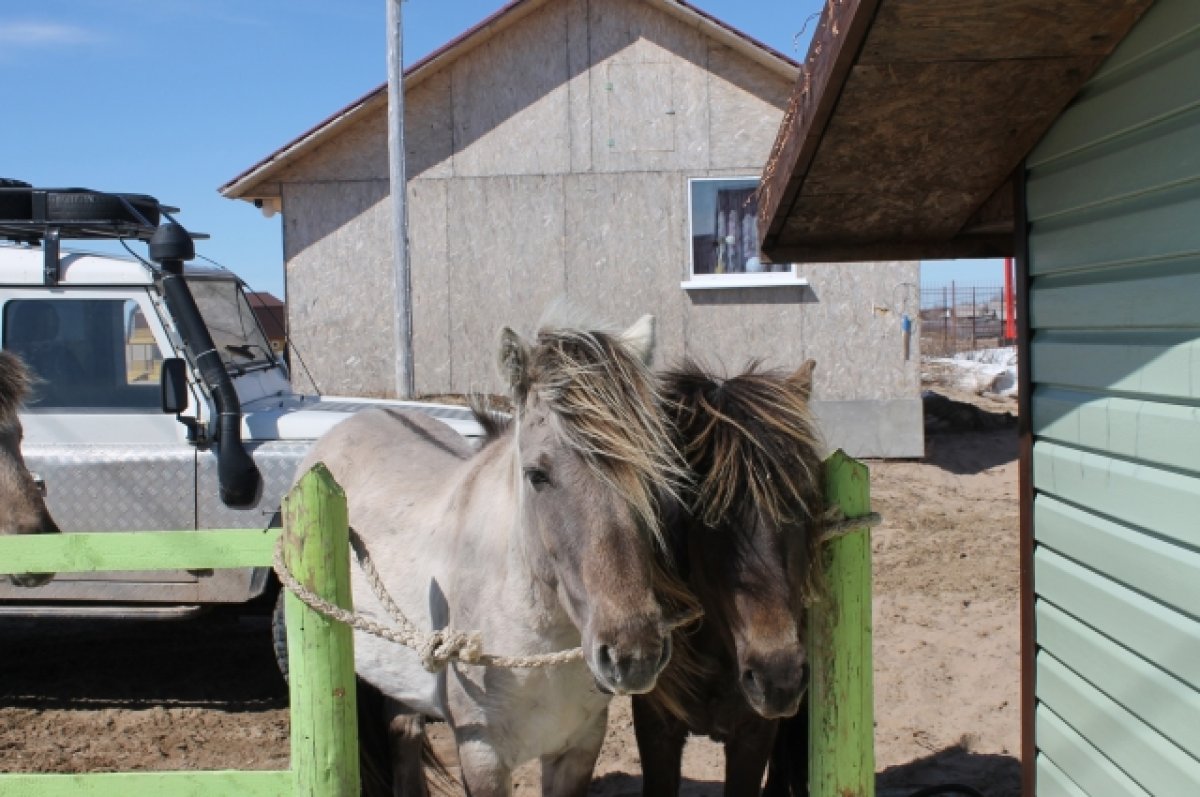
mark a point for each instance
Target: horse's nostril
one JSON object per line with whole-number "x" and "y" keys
{"x": 607, "y": 663}
{"x": 750, "y": 682}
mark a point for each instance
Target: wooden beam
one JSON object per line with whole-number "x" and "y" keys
{"x": 320, "y": 651}
{"x": 840, "y": 33}
{"x": 841, "y": 683}
{"x": 843, "y": 251}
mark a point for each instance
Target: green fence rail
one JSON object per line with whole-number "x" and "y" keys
{"x": 324, "y": 729}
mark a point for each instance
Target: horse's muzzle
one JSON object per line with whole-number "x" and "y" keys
{"x": 774, "y": 684}
{"x": 629, "y": 671}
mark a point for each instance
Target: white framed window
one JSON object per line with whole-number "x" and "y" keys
{"x": 723, "y": 237}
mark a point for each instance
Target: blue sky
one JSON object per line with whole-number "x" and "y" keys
{"x": 175, "y": 97}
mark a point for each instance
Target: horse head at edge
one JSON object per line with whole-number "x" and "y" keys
{"x": 22, "y": 506}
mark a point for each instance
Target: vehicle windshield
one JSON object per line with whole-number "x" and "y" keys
{"x": 232, "y": 324}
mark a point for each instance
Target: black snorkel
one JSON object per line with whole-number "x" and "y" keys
{"x": 237, "y": 475}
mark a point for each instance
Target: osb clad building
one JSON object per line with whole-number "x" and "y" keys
{"x": 605, "y": 152}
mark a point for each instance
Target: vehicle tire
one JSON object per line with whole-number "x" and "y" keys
{"x": 279, "y": 633}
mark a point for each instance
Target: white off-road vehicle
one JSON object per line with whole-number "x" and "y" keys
{"x": 160, "y": 404}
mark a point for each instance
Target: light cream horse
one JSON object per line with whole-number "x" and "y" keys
{"x": 544, "y": 540}
{"x": 22, "y": 509}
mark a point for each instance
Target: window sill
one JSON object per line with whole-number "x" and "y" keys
{"x": 743, "y": 281}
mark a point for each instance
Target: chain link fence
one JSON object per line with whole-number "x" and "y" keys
{"x": 957, "y": 318}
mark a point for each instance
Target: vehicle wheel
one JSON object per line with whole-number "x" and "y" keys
{"x": 279, "y": 633}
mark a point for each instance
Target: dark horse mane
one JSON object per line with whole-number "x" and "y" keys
{"x": 15, "y": 382}
{"x": 752, "y": 446}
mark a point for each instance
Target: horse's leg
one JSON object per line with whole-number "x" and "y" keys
{"x": 746, "y": 754}
{"x": 660, "y": 740}
{"x": 569, "y": 774}
{"x": 406, "y": 740}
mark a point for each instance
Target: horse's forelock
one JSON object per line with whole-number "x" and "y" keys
{"x": 15, "y": 382}
{"x": 607, "y": 407}
{"x": 752, "y": 444}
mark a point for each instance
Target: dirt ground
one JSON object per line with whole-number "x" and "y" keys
{"x": 205, "y": 694}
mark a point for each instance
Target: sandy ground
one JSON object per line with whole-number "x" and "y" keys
{"x": 204, "y": 694}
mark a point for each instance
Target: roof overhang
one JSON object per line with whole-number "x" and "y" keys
{"x": 910, "y": 118}
{"x": 258, "y": 181}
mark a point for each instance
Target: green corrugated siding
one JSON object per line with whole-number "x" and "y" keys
{"x": 1113, "y": 205}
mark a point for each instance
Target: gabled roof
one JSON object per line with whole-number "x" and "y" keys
{"x": 244, "y": 185}
{"x": 910, "y": 117}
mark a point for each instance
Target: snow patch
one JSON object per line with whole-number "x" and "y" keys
{"x": 984, "y": 371}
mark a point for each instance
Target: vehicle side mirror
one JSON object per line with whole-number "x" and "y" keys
{"x": 174, "y": 385}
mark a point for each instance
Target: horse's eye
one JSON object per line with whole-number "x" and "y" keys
{"x": 537, "y": 477}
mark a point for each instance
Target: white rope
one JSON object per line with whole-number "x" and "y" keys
{"x": 835, "y": 524}
{"x": 435, "y": 649}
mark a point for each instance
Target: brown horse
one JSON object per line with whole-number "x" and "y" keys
{"x": 22, "y": 509}
{"x": 747, "y": 548}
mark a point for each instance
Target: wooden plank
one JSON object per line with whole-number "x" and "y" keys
{"x": 1164, "y": 435}
{"x": 138, "y": 550}
{"x": 324, "y": 712}
{"x": 1161, "y": 87}
{"x": 841, "y": 695}
{"x": 1165, "y": 502}
{"x": 1147, "y": 160}
{"x": 1151, "y": 228}
{"x": 1158, "y": 295}
{"x": 1064, "y": 755}
{"x": 1164, "y": 703}
{"x": 266, "y": 783}
{"x": 916, "y": 30}
{"x": 1149, "y": 364}
{"x": 1151, "y": 760}
{"x": 834, "y": 47}
{"x": 1136, "y": 621}
{"x": 1161, "y": 570}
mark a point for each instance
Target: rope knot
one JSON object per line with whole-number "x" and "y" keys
{"x": 439, "y": 647}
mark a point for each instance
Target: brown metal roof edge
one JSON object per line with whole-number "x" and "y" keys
{"x": 239, "y": 185}
{"x": 841, "y": 31}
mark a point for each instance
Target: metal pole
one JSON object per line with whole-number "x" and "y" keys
{"x": 402, "y": 279}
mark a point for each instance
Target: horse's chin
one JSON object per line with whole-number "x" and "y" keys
{"x": 774, "y": 708}
{"x": 30, "y": 579}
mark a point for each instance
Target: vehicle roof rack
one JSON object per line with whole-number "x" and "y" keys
{"x": 50, "y": 215}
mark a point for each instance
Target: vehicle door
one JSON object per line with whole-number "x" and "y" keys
{"x": 95, "y": 432}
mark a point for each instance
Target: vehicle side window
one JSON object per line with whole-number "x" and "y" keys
{"x": 86, "y": 353}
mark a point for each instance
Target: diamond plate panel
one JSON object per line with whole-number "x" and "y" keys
{"x": 105, "y": 488}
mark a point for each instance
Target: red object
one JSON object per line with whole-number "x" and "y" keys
{"x": 1010, "y": 301}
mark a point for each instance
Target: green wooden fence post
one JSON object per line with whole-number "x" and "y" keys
{"x": 320, "y": 656}
{"x": 842, "y": 724}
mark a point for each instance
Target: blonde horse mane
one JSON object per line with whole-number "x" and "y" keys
{"x": 604, "y": 401}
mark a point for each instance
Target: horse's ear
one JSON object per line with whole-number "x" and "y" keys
{"x": 513, "y": 361}
{"x": 640, "y": 338}
{"x": 802, "y": 379}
